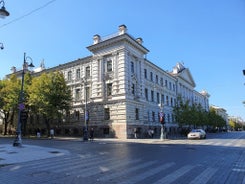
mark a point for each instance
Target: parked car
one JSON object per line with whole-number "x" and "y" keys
{"x": 197, "y": 134}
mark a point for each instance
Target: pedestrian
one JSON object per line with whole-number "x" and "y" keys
{"x": 152, "y": 133}
{"x": 135, "y": 133}
{"x": 38, "y": 133}
{"x": 51, "y": 133}
{"x": 91, "y": 134}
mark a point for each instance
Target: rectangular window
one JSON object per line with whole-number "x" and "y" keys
{"x": 158, "y": 98}
{"x": 107, "y": 113}
{"x": 162, "y": 99}
{"x": 69, "y": 76}
{"x": 109, "y": 89}
{"x": 146, "y": 94}
{"x": 87, "y": 74}
{"x": 77, "y": 94}
{"x": 152, "y": 96}
{"x": 78, "y": 76}
{"x": 132, "y": 67}
{"x": 151, "y": 75}
{"x": 133, "y": 89}
{"x": 167, "y": 100}
{"x": 166, "y": 83}
{"x": 161, "y": 81}
{"x": 145, "y": 73}
{"x": 153, "y": 116}
{"x": 157, "y": 79}
{"x": 137, "y": 114}
{"x": 109, "y": 66}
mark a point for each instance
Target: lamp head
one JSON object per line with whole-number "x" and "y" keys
{"x": 3, "y": 12}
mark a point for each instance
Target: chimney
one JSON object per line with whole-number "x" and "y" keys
{"x": 122, "y": 29}
{"x": 96, "y": 39}
{"x": 139, "y": 40}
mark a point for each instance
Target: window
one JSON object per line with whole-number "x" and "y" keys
{"x": 137, "y": 114}
{"x": 132, "y": 67}
{"x": 162, "y": 99}
{"x": 161, "y": 81}
{"x": 87, "y": 74}
{"x": 167, "y": 100}
{"x": 171, "y": 102}
{"x": 173, "y": 87}
{"x": 78, "y": 76}
{"x": 109, "y": 66}
{"x": 145, "y": 73}
{"x": 69, "y": 76}
{"x": 77, "y": 94}
{"x": 151, "y": 75}
{"x": 170, "y": 85}
{"x": 158, "y": 98}
{"x": 107, "y": 113}
{"x": 153, "y": 116}
{"x": 146, "y": 94}
{"x": 152, "y": 96}
{"x": 133, "y": 89}
{"x": 109, "y": 89}
{"x": 166, "y": 83}
{"x": 157, "y": 79}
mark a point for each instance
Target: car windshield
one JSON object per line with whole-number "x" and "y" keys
{"x": 196, "y": 131}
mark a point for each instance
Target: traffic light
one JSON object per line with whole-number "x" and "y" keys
{"x": 162, "y": 121}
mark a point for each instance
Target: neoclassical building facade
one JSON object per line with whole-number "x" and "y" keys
{"x": 121, "y": 90}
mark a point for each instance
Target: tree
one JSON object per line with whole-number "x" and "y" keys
{"x": 49, "y": 96}
{"x": 9, "y": 97}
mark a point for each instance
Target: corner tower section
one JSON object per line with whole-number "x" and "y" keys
{"x": 117, "y": 77}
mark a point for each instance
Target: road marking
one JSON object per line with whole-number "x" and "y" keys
{"x": 173, "y": 176}
{"x": 204, "y": 176}
{"x": 148, "y": 173}
{"x": 124, "y": 172}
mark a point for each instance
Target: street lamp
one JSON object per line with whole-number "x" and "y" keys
{"x": 86, "y": 115}
{"x": 1, "y": 46}
{"x": 18, "y": 141}
{"x": 3, "y": 12}
{"x": 162, "y": 120}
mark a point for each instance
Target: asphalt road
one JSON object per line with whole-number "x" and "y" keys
{"x": 218, "y": 159}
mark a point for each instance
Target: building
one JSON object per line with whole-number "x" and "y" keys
{"x": 121, "y": 91}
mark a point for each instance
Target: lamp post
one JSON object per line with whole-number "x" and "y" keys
{"x": 3, "y": 12}
{"x": 162, "y": 121}
{"x": 85, "y": 131}
{"x": 21, "y": 112}
{"x": 1, "y": 46}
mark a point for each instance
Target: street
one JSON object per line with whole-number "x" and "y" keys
{"x": 218, "y": 159}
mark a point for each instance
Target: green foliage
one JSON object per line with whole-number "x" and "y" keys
{"x": 9, "y": 97}
{"x": 49, "y": 95}
{"x": 195, "y": 115}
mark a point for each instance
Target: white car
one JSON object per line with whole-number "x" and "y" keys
{"x": 197, "y": 134}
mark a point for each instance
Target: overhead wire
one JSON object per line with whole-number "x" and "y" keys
{"x": 28, "y": 14}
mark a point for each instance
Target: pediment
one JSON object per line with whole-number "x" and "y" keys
{"x": 185, "y": 75}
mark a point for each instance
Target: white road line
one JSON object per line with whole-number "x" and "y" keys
{"x": 148, "y": 173}
{"x": 127, "y": 171}
{"x": 204, "y": 176}
{"x": 175, "y": 175}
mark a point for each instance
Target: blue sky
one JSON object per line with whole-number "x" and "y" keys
{"x": 207, "y": 36}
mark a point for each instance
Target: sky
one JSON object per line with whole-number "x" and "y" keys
{"x": 207, "y": 36}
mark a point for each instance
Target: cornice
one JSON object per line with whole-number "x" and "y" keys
{"x": 120, "y": 38}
